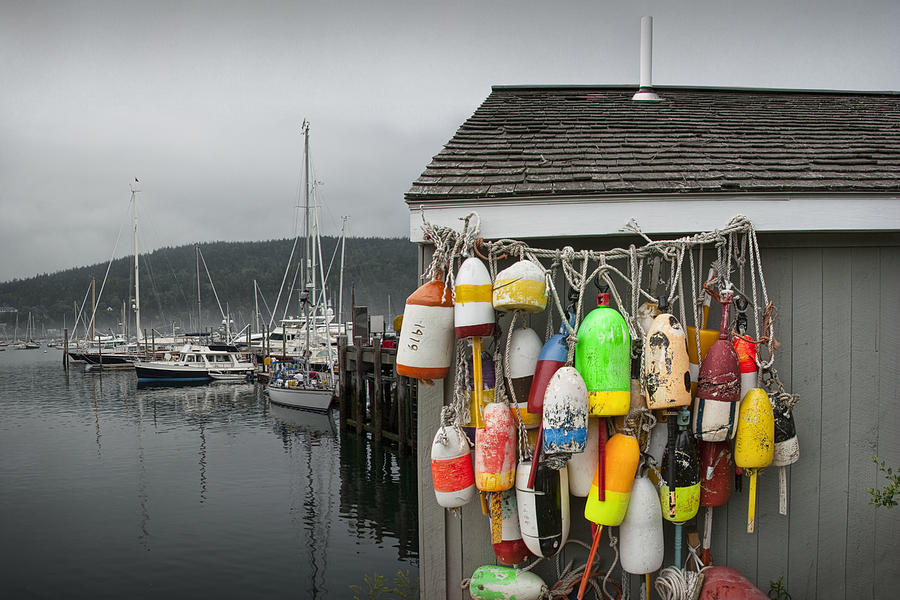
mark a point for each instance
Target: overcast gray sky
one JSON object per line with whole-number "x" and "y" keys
{"x": 202, "y": 101}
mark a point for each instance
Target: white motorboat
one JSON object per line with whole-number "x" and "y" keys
{"x": 195, "y": 363}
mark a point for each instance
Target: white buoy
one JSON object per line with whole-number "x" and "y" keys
{"x": 641, "y": 533}
{"x": 582, "y": 465}
{"x": 524, "y": 348}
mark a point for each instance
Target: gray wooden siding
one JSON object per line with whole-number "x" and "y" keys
{"x": 839, "y": 301}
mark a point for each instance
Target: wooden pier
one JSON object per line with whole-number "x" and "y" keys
{"x": 374, "y": 398}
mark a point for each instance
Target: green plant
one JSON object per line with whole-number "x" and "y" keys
{"x": 376, "y": 587}
{"x": 886, "y": 496}
{"x": 777, "y": 591}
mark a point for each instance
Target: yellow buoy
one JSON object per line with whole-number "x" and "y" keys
{"x": 754, "y": 445}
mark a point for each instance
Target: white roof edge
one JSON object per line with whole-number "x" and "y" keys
{"x": 523, "y": 218}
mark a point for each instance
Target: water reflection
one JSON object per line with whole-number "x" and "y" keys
{"x": 191, "y": 484}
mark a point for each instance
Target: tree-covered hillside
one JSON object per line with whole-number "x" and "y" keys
{"x": 376, "y": 268}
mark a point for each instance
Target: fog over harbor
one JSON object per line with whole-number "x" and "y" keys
{"x": 203, "y": 101}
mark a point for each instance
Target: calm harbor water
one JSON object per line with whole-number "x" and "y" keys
{"x": 110, "y": 491}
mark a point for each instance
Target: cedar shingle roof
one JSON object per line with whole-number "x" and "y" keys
{"x": 546, "y": 141}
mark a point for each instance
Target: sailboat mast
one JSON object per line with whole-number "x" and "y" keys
{"x": 197, "y": 252}
{"x": 341, "y": 284}
{"x": 137, "y": 281}
{"x": 307, "y": 263}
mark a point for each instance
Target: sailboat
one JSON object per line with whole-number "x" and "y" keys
{"x": 308, "y": 382}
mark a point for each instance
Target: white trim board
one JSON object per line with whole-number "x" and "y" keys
{"x": 573, "y": 217}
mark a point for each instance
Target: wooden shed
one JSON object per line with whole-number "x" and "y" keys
{"x": 818, "y": 174}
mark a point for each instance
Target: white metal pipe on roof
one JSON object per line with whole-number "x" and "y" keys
{"x": 645, "y": 92}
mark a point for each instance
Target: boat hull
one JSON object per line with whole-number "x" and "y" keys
{"x": 173, "y": 374}
{"x": 317, "y": 400}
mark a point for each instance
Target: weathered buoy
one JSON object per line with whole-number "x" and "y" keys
{"x": 679, "y": 495}
{"x": 666, "y": 364}
{"x": 521, "y": 286}
{"x": 641, "y": 533}
{"x": 506, "y": 536}
{"x": 552, "y": 356}
{"x": 583, "y": 465}
{"x": 603, "y": 357}
{"x": 451, "y": 467}
{"x": 565, "y": 416}
{"x": 716, "y": 475}
{"x": 543, "y": 509}
{"x": 476, "y": 406}
{"x": 787, "y": 447}
{"x": 425, "y": 348}
{"x": 524, "y": 349}
{"x": 754, "y": 445}
{"x": 472, "y": 310}
{"x": 621, "y": 461}
{"x": 719, "y": 386}
{"x": 493, "y": 582}
{"x": 725, "y": 582}
{"x": 707, "y": 337}
{"x": 495, "y": 450}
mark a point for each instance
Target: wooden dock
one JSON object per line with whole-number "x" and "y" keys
{"x": 374, "y": 398}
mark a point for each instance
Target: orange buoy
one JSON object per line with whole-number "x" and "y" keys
{"x": 451, "y": 467}
{"x": 425, "y": 349}
{"x": 621, "y": 462}
{"x": 495, "y": 450}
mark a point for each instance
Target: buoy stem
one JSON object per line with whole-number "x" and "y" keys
{"x": 678, "y": 545}
{"x": 477, "y": 377}
{"x": 751, "y": 506}
{"x": 496, "y": 518}
{"x": 537, "y": 454}
{"x": 707, "y": 537}
{"x": 646, "y": 586}
{"x": 601, "y": 462}
{"x": 782, "y": 491}
{"x": 590, "y": 562}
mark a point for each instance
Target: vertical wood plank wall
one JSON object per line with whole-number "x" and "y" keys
{"x": 839, "y": 326}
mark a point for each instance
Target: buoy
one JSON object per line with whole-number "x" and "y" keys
{"x": 603, "y": 357}
{"x": 552, "y": 356}
{"x": 543, "y": 509}
{"x": 476, "y": 405}
{"x": 621, "y": 457}
{"x": 472, "y": 310}
{"x": 451, "y": 467}
{"x": 716, "y": 475}
{"x": 656, "y": 448}
{"x": 641, "y": 533}
{"x": 425, "y": 349}
{"x": 787, "y": 447}
{"x": 746, "y": 355}
{"x": 495, "y": 450}
{"x": 719, "y": 386}
{"x": 725, "y": 582}
{"x": 524, "y": 349}
{"x": 707, "y": 337}
{"x": 754, "y": 445}
{"x": 522, "y": 286}
{"x": 506, "y": 536}
{"x": 666, "y": 365}
{"x": 493, "y": 582}
{"x": 679, "y": 495}
{"x": 583, "y": 465}
{"x": 621, "y": 461}
{"x": 565, "y": 416}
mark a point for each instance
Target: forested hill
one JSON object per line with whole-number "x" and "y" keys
{"x": 376, "y": 268}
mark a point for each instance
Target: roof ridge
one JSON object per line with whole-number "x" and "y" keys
{"x": 702, "y": 88}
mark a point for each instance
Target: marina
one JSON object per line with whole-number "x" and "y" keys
{"x": 108, "y": 490}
